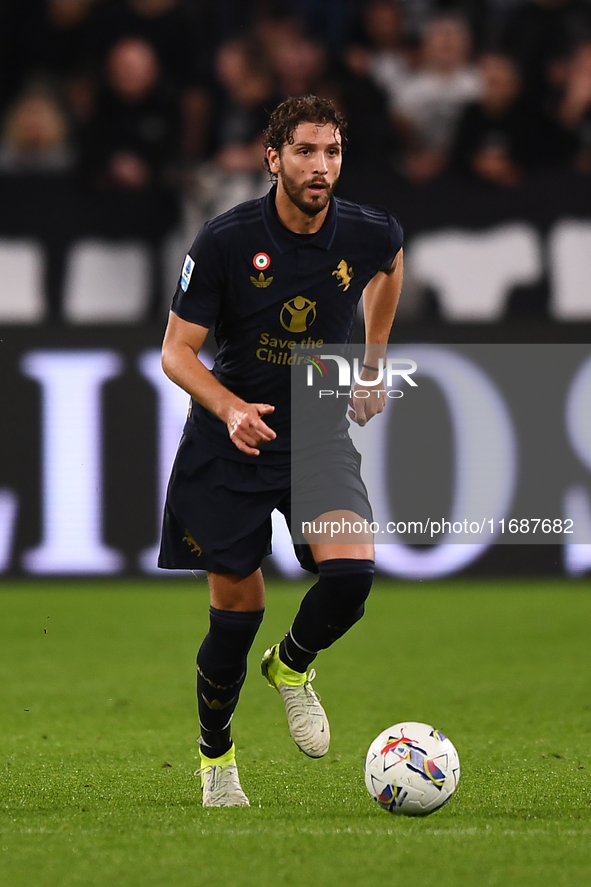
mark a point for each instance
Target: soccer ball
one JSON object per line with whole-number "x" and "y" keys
{"x": 412, "y": 769}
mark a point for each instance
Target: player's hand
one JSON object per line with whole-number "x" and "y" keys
{"x": 247, "y": 429}
{"x": 366, "y": 402}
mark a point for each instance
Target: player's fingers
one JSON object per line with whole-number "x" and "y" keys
{"x": 251, "y": 427}
{"x": 353, "y": 408}
{"x": 253, "y": 435}
{"x": 370, "y": 411}
{"x": 262, "y": 429}
{"x": 254, "y": 431}
{"x": 245, "y": 442}
{"x": 254, "y": 422}
{"x": 359, "y": 415}
{"x": 264, "y": 408}
{"x": 265, "y": 433}
{"x": 373, "y": 405}
{"x": 245, "y": 448}
{"x": 363, "y": 409}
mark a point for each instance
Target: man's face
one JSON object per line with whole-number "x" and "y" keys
{"x": 308, "y": 169}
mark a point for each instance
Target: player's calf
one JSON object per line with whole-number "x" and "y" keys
{"x": 328, "y": 611}
{"x": 221, "y": 671}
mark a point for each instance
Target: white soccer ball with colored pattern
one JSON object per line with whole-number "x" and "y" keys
{"x": 412, "y": 769}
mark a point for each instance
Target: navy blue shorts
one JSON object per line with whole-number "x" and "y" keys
{"x": 217, "y": 515}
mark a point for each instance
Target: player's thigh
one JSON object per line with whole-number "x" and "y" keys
{"x": 229, "y": 591}
{"x": 329, "y": 501}
{"x": 218, "y": 513}
{"x": 340, "y": 534}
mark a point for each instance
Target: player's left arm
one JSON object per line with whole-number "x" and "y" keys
{"x": 380, "y": 300}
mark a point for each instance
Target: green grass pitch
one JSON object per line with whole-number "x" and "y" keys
{"x": 98, "y": 725}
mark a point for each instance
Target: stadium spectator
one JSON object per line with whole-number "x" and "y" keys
{"x": 431, "y": 99}
{"x": 179, "y": 34}
{"x": 380, "y": 51}
{"x": 537, "y": 33}
{"x": 371, "y": 142}
{"x": 273, "y": 31}
{"x": 242, "y": 96}
{"x": 301, "y": 66}
{"x": 167, "y": 25}
{"x": 328, "y": 20}
{"x": 477, "y": 13}
{"x": 132, "y": 139}
{"x": 574, "y": 111}
{"x": 502, "y": 136}
{"x": 299, "y": 63}
{"x": 58, "y": 36}
{"x": 241, "y": 103}
{"x": 35, "y": 136}
{"x": 18, "y": 34}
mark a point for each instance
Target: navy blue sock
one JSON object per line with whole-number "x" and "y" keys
{"x": 221, "y": 670}
{"x": 328, "y": 610}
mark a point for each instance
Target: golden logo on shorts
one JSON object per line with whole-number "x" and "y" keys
{"x": 195, "y": 548}
{"x": 344, "y": 274}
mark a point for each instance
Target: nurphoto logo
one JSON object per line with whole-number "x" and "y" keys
{"x": 387, "y": 370}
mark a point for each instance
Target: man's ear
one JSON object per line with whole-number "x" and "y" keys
{"x": 273, "y": 159}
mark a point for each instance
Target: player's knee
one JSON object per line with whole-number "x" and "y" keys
{"x": 232, "y": 592}
{"x": 230, "y": 637}
{"x": 334, "y": 604}
{"x": 347, "y": 582}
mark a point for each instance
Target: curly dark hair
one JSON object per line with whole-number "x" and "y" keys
{"x": 300, "y": 109}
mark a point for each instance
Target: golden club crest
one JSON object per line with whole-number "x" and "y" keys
{"x": 344, "y": 274}
{"x": 261, "y": 281}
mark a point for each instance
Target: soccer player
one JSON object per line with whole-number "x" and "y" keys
{"x": 269, "y": 274}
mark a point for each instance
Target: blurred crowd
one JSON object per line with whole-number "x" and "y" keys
{"x": 140, "y": 94}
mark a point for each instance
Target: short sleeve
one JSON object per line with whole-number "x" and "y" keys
{"x": 199, "y": 292}
{"x": 396, "y": 238}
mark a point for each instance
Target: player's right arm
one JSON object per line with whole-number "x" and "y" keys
{"x": 180, "y": 361}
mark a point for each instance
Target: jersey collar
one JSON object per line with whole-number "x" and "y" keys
{"x": 286, "y": 240}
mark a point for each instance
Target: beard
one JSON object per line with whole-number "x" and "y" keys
{"x": 309, "y": 204}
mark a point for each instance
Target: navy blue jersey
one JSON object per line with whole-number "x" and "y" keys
{"x": 266, "y": 290}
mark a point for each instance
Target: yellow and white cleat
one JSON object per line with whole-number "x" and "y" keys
{"x": 307, "y": 721}
{"x": 220, "y": 782}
